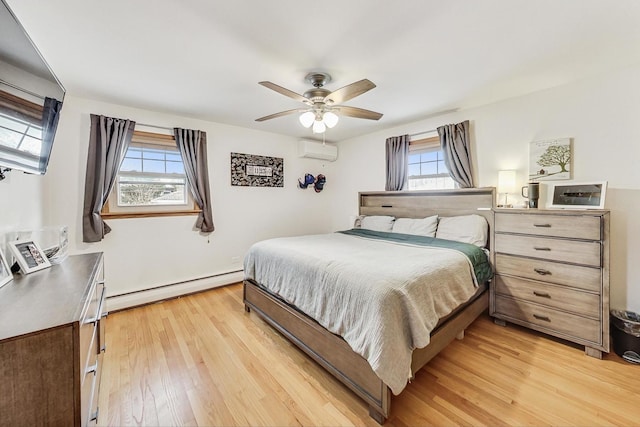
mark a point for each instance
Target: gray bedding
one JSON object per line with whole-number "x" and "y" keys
{"x": 384, "y": 297}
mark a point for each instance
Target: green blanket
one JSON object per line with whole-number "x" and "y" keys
{"x": 479, "y": 260}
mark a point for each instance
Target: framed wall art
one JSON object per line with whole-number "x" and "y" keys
{"x": 249, "y": 170}
{"x": 5, "y": 272}
{"x": 590, "y": 195}
{"x": 29, "y": 256}
{"x": 550, "y": 160}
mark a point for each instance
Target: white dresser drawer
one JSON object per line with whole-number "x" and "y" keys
{"x": 572, "y": 251}
{"x": 560, "y": 297}
{"x": 575, "y": 227}
{"x": 588, "y": 278}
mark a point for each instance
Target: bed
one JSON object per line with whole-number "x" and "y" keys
{"x": 268, "y": 293}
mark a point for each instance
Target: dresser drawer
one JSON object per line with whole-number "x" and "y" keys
{"x": 92, "y": 308}
{"x": 88, "y": 372}
{"x": 548, "y": 319}
{"x": 578, "y": 252}
{"x": 575, "y": 301}
{"x": 576, "y": 227}
{"x": 88, "y": 346}
{"x": 88, "y": 399}
{"x": 588, "y": 278}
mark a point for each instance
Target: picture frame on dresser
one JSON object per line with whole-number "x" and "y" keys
{"x": 585, "y": 195}
{"x": 5, "y": 272}
{"x": 29, "y": 255}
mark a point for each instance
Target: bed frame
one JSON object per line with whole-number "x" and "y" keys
{"x": 330, "y": 350}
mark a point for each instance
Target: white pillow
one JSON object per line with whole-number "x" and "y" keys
{"x": 377, "y": 222}
{"x": 420, "y": 227}
{"x": 471, "y": 229}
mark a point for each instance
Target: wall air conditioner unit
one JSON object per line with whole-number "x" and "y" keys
{"x": 317, "y": 150}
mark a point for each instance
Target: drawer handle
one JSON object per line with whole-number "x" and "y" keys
{"x": 94, "y": 416}
{"x": 103, "y": 348}
{"x": 541, "y": 271}
{"x": 541, "y": 294}
{"x": 93, "y": 368}
{"x": 542, "y": 225}
{"x": 541, "y": 249}
{"x": 545, "y": 318}
{"x": 100, "y": 282}
{"x": 94, "y": 320}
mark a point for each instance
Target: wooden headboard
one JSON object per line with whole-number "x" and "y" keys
{"x": 421, "y": 204}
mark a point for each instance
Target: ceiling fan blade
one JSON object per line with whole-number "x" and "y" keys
{"x": 359, "y": 113}
{"x": 286, "y": 92}
{"x": 350, "y": 91}
{"x": 280, "y": 114}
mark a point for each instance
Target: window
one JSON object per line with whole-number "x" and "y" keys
{"x": 427, "y": 170}
{"x": 20, "y": 131}
{"x": 151, "y": 180}
{"x": 21, "y": 136}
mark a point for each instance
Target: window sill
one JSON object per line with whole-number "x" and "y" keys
{"x": 122, "y": 215}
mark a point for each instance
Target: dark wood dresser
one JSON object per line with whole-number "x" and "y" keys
{"x": 552, "y": 273}
{"x": 51, "y": 342}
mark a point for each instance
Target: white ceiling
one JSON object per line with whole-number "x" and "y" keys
{"x": 204, "y": 58}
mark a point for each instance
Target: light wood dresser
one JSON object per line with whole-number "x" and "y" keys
{"x": 51, "y": 344}
{"x": 552, "y": 274}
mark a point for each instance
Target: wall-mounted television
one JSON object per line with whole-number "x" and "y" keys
{"x": 30, "y": 100}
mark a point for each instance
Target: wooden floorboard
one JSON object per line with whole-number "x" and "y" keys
{"x": 201, "y": 360}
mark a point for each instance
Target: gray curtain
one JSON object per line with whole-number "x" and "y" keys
{"x": 454, "y": 140}
{"x": 397, "y": 152}
{"x": 193, "y": 148}
{"x": 108, "y": 142}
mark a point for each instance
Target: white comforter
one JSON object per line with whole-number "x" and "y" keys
{"x": 383, "y": 298}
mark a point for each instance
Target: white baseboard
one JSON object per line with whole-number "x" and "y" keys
{"x": 160, "y": 293}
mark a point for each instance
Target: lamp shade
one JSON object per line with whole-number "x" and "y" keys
{"x": 319, "y": 126}
{"x": 307, "y": 118}
{"x": 506, "y": 181}
{"x": 330, "y": 119}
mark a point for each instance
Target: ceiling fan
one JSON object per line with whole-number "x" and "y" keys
{"x": 323, "y": 106}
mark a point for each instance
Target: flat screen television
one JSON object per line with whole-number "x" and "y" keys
{"x": 30, "y": 100}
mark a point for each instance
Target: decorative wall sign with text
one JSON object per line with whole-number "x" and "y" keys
{"x": 550, "y": 160}
{"x": 248, "y": 170}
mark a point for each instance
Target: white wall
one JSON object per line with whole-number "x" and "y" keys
{"x": 150, "y": 252}
{"x": 600, "y": 114}
{"x": 21, "y": 197}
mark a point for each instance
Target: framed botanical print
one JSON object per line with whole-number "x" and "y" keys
{"x": 550, "y": 160}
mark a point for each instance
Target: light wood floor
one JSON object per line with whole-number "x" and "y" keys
{"x": 202, "y": 360}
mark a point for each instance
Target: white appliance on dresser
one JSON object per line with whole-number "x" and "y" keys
{"x": 552, "y": 274}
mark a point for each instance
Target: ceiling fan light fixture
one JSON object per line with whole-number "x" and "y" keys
{"x": 330, "y": 119}
{"x": 319, "y": 126}
{"x": 307, "y": 118}
{"x": 321, "y": 104}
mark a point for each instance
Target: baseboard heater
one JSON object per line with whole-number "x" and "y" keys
{"x": 171, "y": 290}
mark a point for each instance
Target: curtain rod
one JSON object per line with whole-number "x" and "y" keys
{"x": 21, "y": 89}
{"x": 422, "y": 133}
{"x": 154, "y": 126}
